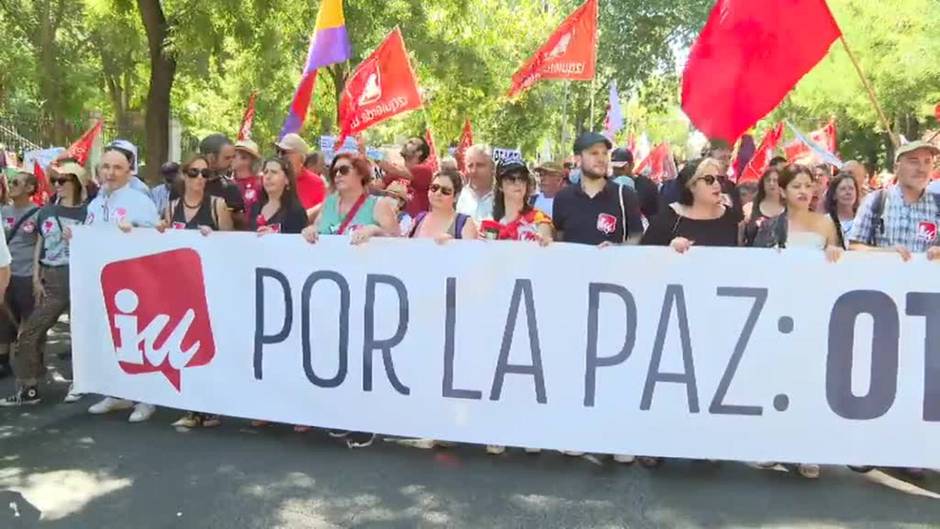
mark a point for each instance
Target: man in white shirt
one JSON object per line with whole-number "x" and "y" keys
{"x": 476, "y": 200}
{"x": 551, "y": 180}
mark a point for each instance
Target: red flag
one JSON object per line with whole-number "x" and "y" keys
{"x": 660, "y": 162}
{"x": 748, "y": 56}
{"x": 82, "y": 148}
{"x": 244, "y": 132}
{"x": 466, "y": 140}
{"x": 798, "y": 152}
{"x": 569, "y": 53}
{"x": 936, "y": 112}
{"x": 432, "y": 161}
{"x": 761, "y": 160}
{"x": 382, "y": 86}
{"x": 43, "y": 190}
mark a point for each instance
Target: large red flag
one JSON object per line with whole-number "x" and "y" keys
{"x": 80, "y": 150}
{"x": 43, "y": 190}
{"x": 432, "y": 160}
{"x": 660, "y": 162}
{"x": 748, "y": 56}
{"x": 382, "y": 86}
{"x": 466, "y": 141}
{"x": 248, "y": 120}
{"x": 765, "y": 151}
{"x": 799, "y": 152}
{"x": 569, "y": 53}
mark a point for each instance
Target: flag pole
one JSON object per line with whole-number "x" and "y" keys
{"x": 591, "y": 120}
{"x": 871, "y": 92}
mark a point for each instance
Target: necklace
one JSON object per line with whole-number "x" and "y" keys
{"x": 197, "y": 206}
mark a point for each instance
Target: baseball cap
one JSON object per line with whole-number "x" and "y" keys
{"x": 294, "y": 143}
{"x": 72, "y": 168}
{"x": 550, "y": 167}
{"x": 915, "y": 146}
{"x": 511, "y": 166}
{"x": 588, "y": 140}
{"x": 621, "y": 157}
{"x": 170, "y": 168}
{"x": 248, "y": 146}
{"x": 128, "y": 147}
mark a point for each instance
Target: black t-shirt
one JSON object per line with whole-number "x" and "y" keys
{"x": 205, "y": 216}
{"x": 586, "y": 220}
{"x": 223, "y": 188}
{"x": 289, "y": 220}
{"x": 668, "y": 225}
{"x": 648, "y": 194}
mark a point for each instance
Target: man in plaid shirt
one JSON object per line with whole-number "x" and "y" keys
{"x": 910, "y": 216}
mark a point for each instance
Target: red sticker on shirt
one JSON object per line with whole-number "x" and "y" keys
{"x": 606, "y": 223}
{"x": 927, "y": 231}
{"x": 47, "y": 226}
{"x": 179, "y": 225}
{"x": 9, "y": 222}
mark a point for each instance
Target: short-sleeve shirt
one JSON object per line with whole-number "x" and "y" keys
{"x": 594, "y": 220}
{"x": 331, "y": 220}
{"x": 53, "y": 219}
{"x": 225, "y": 189}
{"x": 525, "y": 227}
{"x": 421, "y": 176}
{"x": 476, "y": 206}
{"x": 251, "y": 191}
{"x": 310, "y": 189}
{"x": 913, "y": 226}
{"x": 22, "y": 245}
{"x": 668, "y": 225}
{"x": 5, "y": 257}
{"x": 122, "y": 205}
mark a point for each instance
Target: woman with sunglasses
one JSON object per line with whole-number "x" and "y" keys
{"x": 514, "y": 217}
{"x": 442, "y": 223}
{"x": 766, "y": 205}
{"x": 196, "y": 209}
{"x": 700, "y": 217}
{"x": 50, "y": 280}
{"x": 350, "y": 209}
{"x": 278, "y": 210}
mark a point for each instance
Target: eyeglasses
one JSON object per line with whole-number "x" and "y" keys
{"x": 446, "y": 191}
{"x": 195, "y": 173}
{"x": 342, "y": 170}
{"x": 709, "y": 179}
{"x": 521, "y": 178}
{"x": 60, "y": 181}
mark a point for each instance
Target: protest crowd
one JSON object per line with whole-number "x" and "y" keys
{"x": 597, "y": 195}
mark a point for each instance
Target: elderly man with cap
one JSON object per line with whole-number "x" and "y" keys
{"x": 596, "y": 211}
{"x": 49, "y": 281}
{"x": 310, "y": 187}
{"x": 551, "y": 181}
{"x": 245, "y": 173}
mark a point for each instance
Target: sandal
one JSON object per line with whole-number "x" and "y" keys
{"x": 211, "y": 421}
{"x": 808, "y": 471}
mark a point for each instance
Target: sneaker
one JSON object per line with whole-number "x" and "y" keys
{"x": 338, "y": 434}
{"x": 190, "y": 420}
{"x": 808, "y": 470}
{"x": 142, "y": 412}
{"x": 624, "y": 458}
{"x": 25, "y": 396}
{"x": 495, "y": 450}
{"x": 533, "y": 450}
{"x": 572, "y": 453}
{"x": 861, "y": 469}
{"x": 109, "y": 404}
{"x": 72, "y": 396}
{"x": 359, "y": 439}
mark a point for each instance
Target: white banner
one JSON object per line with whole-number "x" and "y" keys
{"x": 721, "y": 353}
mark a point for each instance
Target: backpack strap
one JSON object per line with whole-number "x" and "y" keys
{"x": 781, "y": 228}
{"x": 16, "y": 227}
{"x": 414, "y": 227}
{"x": 459, "y": 224}
{"x": 877, "y": 216}
{"x": 623, "y": 212}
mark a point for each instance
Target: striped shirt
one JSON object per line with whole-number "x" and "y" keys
{"x": 913, "y": 226}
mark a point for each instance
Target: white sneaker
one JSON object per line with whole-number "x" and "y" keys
{"x": 142, "y": 412}
{"x": 109, "y": 404}
{"x": 72, "y": 396}
{"x": 495, "y": 450}
{"x": 624, "y": 458}
{"x": 572, "y": 453}
{"x": 533, "y": 450}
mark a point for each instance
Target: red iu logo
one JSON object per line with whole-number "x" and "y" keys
{"x": 177, "y": 333}
{"x": 927, "y": 231}
{"x": 606, "y": 223}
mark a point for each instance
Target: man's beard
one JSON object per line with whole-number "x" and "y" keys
{"x": 593, "y": 176}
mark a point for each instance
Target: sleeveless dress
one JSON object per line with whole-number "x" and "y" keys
{"x": 331, "y": 220}
{"x": 205, "y": 215}
{"x": 806, "y": 239}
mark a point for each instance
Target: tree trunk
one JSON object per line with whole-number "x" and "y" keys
{"x": 49, "y": 74}
{"x": 162, "y": 74}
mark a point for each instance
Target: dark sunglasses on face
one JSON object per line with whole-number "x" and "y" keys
{"x": 709, "y": 179}
{"x": 195, "y": 173}
{"x": 446, "y": 191}
{"x": 521, "y": 178}
{"x": 59, "y": 181}
{"x": 342, "y": 170}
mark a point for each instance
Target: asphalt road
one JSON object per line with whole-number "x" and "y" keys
{"x": 62, "y": 468}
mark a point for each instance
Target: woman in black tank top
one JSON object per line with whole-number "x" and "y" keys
{"x": 196, "y": 209}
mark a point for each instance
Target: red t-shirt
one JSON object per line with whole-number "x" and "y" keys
{"x": 421, "y": 176}
{"x": 310, "y": 188}
{"x": 251, "y": 190}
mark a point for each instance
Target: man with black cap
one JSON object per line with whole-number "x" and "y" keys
{"x": 646, "y": 190}
{"x": 595, "y": 210}
{"x": 170, "y": 171}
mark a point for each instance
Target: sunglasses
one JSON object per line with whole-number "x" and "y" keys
{"x": 521, "y": 178}
{"x": 709, "y": 179}
{"x": 342, "y": 170}
{"x": 60, "y": 181}
{"x": 446, "y": 191}
{"x": 195, "y": 173}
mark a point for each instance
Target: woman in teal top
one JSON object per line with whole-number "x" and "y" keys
{"x": 350, "y": 209}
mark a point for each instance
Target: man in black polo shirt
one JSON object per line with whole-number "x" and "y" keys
{"x": 596, "y": 211}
